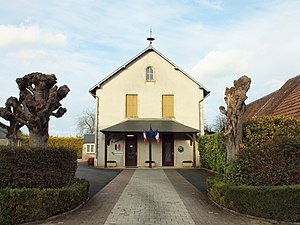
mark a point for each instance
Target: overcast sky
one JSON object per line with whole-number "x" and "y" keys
{"x": 215, "y": 41}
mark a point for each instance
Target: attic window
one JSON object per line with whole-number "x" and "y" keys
{"x": 149, "y": 74}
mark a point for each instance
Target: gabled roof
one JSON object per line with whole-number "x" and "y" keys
{"x": 148, "y": 49}
{"x": 140, "y": 125}
{"x": 283, "y": 102}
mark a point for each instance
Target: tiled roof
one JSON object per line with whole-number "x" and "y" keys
{"x": 89, "y": 138}
{"x": 283, "y": 102}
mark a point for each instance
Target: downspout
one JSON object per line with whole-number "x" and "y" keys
{"x": 199, "y": 104}
{"x": 96, "y": 131}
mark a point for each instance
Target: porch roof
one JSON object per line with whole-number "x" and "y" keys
{"x": 140, "y": 125}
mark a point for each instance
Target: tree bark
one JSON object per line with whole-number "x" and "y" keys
{"x": 38, "y": 138}
{"x": 235, "y": 100}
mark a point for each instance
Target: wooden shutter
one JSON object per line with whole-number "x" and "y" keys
{"x": 131, "y": 105}
{"x": 168, "y": 105}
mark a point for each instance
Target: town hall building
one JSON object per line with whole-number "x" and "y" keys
{"x": 148, "y": 93}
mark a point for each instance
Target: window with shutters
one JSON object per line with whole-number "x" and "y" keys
{"x": 131, "y": 105}
{"x": 168, "y": 106}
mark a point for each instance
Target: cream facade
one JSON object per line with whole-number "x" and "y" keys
{"x": 148, "y": 91}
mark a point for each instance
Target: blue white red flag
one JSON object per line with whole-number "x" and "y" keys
{"x": 157, "y": 138}
{"x": 145, "y": 136}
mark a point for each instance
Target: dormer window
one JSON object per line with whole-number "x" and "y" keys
{"x": 149, "y": 74}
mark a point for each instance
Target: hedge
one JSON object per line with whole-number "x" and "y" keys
{"x": 260, "y": 130}
{"x": 36, "y": 167}
{"x": 278, "y": 203}
{"x": 212, "y": 152}
{"x": 31, "y": 204}
{"x": 64, "y": 142}
{"x": 271, "y": 164}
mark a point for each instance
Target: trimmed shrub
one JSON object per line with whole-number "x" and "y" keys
{"x": 36, "y": 167}
{"x": 278, "y": 203}
{"x": 212, "y": 152}
{"x": 260, "y": 130}
{"x": 74, "y": 143}
{"x": 62, "y": 142}
{"x": 30, "y": 204}
{"x": 270, "y": 164}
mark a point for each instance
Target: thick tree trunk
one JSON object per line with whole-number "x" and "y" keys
{"x": 38, "y": 138}
{"x": 235, "y": 100}
{"x": 12, "y": 137}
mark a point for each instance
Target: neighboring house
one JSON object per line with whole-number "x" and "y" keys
{"x": 88, "y": 149}
{"x": 283, "y": 102}
{"x": 3, "y": 139}
{"x": 148, "y": 91}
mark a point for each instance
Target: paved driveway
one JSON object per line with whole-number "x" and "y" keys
{"x": 150, "y": 197}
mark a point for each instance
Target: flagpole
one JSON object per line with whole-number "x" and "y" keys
{"x": 150, "y": 153}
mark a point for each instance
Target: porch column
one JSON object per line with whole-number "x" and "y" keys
{"x": 194, "y": 150}
{"x": 105, "y": 150}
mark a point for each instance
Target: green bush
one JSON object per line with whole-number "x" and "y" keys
{"x": 30, "y": 204}
{"x": 212, "y": 152}
{"x": 36, "y": 167}
{"x": 278, "y": 203}
{"x": 62, "y": 142}
{"x": 270, "y": 164}
{"x": 260, "y": 130}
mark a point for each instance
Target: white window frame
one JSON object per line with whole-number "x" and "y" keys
{"x": 149, "y": 73}
{"x": 90, "y": 148}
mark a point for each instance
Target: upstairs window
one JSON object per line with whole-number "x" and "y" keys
{"x": 131, "y": 105}
{"x": 149, "y": 74}
{"x": 168, "y": 106}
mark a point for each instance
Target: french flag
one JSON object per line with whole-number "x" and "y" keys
{"x": 145, "y": 136}
{"x": 157, "y": 136}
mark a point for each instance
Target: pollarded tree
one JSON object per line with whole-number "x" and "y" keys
{"x": 16, "y": 120}
{"x": 39, "y": 99}
{"x": 235, "y": 98}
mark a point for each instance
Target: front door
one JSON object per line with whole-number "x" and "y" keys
{"x": 168, "y": 150}
{"x": 131, "y": 151}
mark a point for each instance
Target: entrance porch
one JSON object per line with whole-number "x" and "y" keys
{"x": 124, "y": 144}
